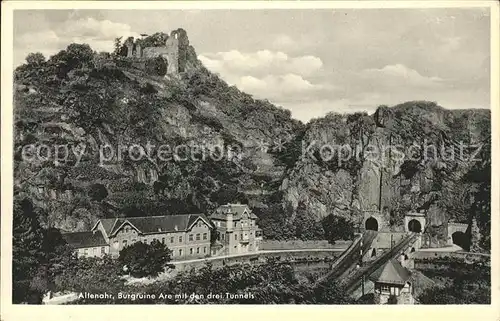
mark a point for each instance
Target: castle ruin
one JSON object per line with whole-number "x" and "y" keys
{"x": 174, "y": 52}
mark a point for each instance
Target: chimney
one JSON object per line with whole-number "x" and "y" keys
{"x": 176, "y": 228}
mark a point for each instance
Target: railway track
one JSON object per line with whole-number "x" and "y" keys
{"x": 350, "y": 257}
{"x": 353, "y": 281}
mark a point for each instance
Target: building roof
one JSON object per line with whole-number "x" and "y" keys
{"x": 154, "y": 224}
{"x": 84, "y": 239}
{"x": 235, "y": 209}
{"x": 392, "y": 272}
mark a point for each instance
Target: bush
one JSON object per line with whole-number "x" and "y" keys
{"x": 97, "y": 192}
{"x": 148, "y": 89}
{"x": 92, "y": 274}
{"x": 337, "y": 228}
{"x": 156, "y": 66}
{"x": 35, "y": 59}
{"x": 145, "y": 259}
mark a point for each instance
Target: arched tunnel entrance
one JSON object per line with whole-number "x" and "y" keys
{"x": 371, "y": 224}
{"x": 460, "y": 239}
{"x": 414, "y": 226}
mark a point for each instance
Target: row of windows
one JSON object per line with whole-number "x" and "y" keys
{"x": 222, "y": 236}
{"x": 243, "y": 223}
{"x": 163, "y": 240}
{"x": 94, "y": 251}
{"x": 191, "y": 251}
{"x": 241, "y": 236}
{"x": 198, "y": 236}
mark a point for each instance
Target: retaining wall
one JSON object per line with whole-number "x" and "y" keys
{"x": 259, "y": 258}
{"x": 444, "y": 260}
{"x": 299, "y": 244}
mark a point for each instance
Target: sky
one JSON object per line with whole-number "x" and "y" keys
{"x": 310, "y": 61}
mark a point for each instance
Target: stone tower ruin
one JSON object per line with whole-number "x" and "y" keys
{"x": 174, "y": 51}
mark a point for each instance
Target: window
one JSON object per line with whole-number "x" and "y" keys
{"x": 236, "y": 237}
{"x": 116, "y": 244}
{"x": 198, "y": 236}
{"x": 223, "y": 236}
{"x": 127, "y": 229}
{"x": 191, "y": 251}
{"x": 204, "y": 249}
{"x": 199, "y": 224}
{"x": 234, "y": 224}
{"x": 172, "y": 239}
{"x": 384, "y": 288}
{"x": 124, "y": 243}
{"x": 94, "y": 250}
{"x": 241, "y": 236}
{"x": 190, "y": 237}
{"x": 197, "y": 250}
{"x": 180, "y": 239}
{"x": 180, "y": 252}
{"x": 145, "y": 241}
{"x": 103, "y": 250}
{"x": 85, "y": 252}
{"x": 204, "y": 236}
{"x": 251, "y": 223}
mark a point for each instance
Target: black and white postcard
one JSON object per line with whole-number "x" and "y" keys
{"x": 249, "y": 154}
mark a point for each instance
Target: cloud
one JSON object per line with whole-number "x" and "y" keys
{"x": 281, "y": 88}
{"x": 96, "y": 30}
{"x": 392, "y": 75}
{"x": 354, "y": 60}
{"x": 99, "y": 34}
{"x": 268, "y": 74}
{"x": 260, "y": 62}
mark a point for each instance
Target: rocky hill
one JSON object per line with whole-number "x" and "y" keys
{"x": 363, "y": 167}
{"x": 107, "y": 111}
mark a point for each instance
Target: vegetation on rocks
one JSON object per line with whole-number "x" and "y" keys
{"x": 98, "y": 102}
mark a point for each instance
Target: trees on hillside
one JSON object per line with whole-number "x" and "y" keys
{"x": 306, "y": 227}
{"x": 337, "y": 228}
{"x": 38, "y": 255}
{"x": 97, "y": 192}
{"x": 35, "y": 59}
{"x": 27, "y": 240}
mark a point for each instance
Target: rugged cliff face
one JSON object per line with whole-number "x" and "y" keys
{"x": 401, "y": 159}
{"x": 84, "y": 124}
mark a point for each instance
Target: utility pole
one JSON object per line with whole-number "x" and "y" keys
{"x": 363, "y": 285}
{"x": 361, "y": 251}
